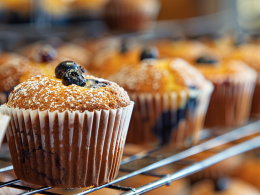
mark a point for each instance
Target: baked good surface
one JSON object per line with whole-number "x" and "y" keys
{"x": 49, "y": 93}
{"x": 225, "y": 69}
{"x": 15, "y": 71}
{"x": 159, "y": 76}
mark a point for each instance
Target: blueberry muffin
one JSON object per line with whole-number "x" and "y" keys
{"x": 249, "y": 53}
{"x": 234, "y": 83}
{"x": 171, "y": 99}
{"x": 130, "y": 15}
{"x": 67, "y": 51}
{"x": 70, "y": 129}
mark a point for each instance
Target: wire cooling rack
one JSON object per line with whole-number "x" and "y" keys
{"x": 166, "y": 158}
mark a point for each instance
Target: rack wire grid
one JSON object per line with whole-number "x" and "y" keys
{"x": 162, "y": 156}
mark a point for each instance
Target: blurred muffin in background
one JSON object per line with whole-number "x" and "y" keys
{"x": 234, "y": 83}
{"x": 111, "y": 59}
{"x": 223, "y": 186}
{"x": 170, "y": 96}
{"x": 7, "y": 56}
{"x": 249, "y": 53}
{"x": 189, "y": 50}
{"x": 87, "y": 9}
{"x": 68, "y": 51}
{"x": 14, "y": 72}
{"x": 130, "y": 15}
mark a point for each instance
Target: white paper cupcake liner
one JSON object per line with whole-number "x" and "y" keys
{"x": 67, "y": 149}
{"x": 230, "y": 101}
{"x": 152, "y": 113}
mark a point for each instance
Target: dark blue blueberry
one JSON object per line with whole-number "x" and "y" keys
{"x": 64, "y": 67}
{"x": 45, "y": 53}
{"x": 169, "y": 120}
{"x": 206, "y": 60}
{"x": 222, "y": 184}
{"x": 74, "y": 76}
{"x": 149, "y": 53}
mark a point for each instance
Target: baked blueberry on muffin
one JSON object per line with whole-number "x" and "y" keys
{"x": 171, "y": 99}
{"x": 70, "y": 128}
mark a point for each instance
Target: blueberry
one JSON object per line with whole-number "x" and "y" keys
{"x": 149, "y": 53}
{"x": 206, "y": 60}
{"x": 45, "y": 53}
{"x": 222, "y": 184}
{"x": 74, "y": 76}
{"x": 124, "y": 47}
{"x": 65, "y": 66}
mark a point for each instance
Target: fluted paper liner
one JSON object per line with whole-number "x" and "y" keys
{"x": 230, "y": 101}
{"x": 4, "y": 122}
{"x": 149, "y": 109}
{"x": 67, "y": 149}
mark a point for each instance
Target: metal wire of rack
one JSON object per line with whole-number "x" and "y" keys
{"x": 236, "y": 134}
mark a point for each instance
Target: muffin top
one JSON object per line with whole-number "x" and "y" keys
{"x": 185, "y": 49}
{"x": 225, "y": 69}
{"x": 159, "y": 76}
{"x": 249, "y": 53}
{"x": 15, "y": 71}
{"x": 49, "y": 93}
{"x": 111, "y": 60}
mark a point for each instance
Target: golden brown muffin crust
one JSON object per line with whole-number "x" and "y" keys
{"x": 48, "y": 93}
{"x": 159, "y": 76}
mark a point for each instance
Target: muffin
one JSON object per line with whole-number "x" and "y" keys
{"x": 6, "y": 56}
{"x": 110, "y": 60}
{"x": 68, "y": 51}
{"x": 171, "y": 99}
{"x": 234, "y": 84}
{"x": 130, "y": 15}
{"x": 189, "y": 50}
{"x": 70, "y": 129}
{"x": 14, "y": 72}
{"x": 249, "y": 53}
{"x": 223, "y": 186}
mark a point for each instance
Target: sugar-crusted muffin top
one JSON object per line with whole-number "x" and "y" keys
{"x": 48, "y": 93}
{"x": 159, "y": 76}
